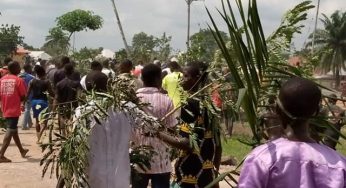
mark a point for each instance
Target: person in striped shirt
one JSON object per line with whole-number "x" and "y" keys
{"x": 159, "y": 106}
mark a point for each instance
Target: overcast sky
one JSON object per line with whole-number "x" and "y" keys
{"x": 150, "y": 16}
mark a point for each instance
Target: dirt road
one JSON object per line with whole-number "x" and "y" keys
{"x": 24, "y": 172}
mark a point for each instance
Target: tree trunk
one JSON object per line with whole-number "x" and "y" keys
{"x": 121, "y": 29}
{"x": 337, "y": 79}
{"x": 337, "y": 69}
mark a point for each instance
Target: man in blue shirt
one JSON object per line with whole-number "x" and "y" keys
{"x": 27, "y": 77}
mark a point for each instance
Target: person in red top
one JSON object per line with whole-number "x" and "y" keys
{"x": 12, "y": 93}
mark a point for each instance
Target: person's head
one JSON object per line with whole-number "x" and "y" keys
{"x": 332, "y": 99}
{"x": 203, "y": 67}
{"x": 191, "y": 77}
{"x": 95, "y": 65}
{"x": 298, "y": 100}
{"x": 151, "y": 76}
{"x": 7, "y": 60}
{"x": 105, "y": 64}
{"x": 97, "y": 81}
{"x": 27, "y": 68}
{"x": 68, "y": 69}
{"x": 40, "y": 72}
{"x": 113, "y": 65}
{"x": 157, "y": 63}
{"x": 174, "y": 66}
{"x": 14, "y": 67}
{"x": 126, "y": 66}
{"x": 64, "y": 60}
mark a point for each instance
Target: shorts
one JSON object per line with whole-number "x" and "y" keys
{"x": 38, "y": 106}
{"x": 12, "y": 123}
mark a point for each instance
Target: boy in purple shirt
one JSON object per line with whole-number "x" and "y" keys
{"x": 296, "y": 160}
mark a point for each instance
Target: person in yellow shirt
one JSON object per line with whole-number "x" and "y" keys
{"x": 170, "y": 83}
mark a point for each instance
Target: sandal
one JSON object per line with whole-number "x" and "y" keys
{"x": 24, "y": 152}
{"x": 4, "y": 160}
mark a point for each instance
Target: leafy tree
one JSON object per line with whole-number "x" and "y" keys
{"x": 331, "y": 40}
{"x": 203, "y": 45}
{"x": 87, "y": 53}
{"x": 57, "y": 42}
{"x": 143, "y": 47}
{"x": 121, "y": 55}
{"x": 9, "y": 39}
{"x": 83, "y": 58}
{"x": 163, "y": 47}
{"x": 79, "y": 20}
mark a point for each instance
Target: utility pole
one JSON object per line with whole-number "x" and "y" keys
{"x": 127, "y": 48}
{"x": 189, "y": 2}
{"x": 316, "y": 19}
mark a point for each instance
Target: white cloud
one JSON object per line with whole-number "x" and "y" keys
{"x": 151, "y": 16}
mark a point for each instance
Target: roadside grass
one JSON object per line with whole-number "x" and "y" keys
{"x": 233, "y": 147}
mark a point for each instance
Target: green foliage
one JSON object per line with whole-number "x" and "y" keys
{"x": 86, "y": 54}
{"x": 57, "y": 42}
{"x": 143, "y": 47}
{"x": 84, "y": 57}
{"x": 163, "y": 47}
{"x": 79, "y": 20}
{"x": 330, "y": 41}
{"x": 262, "y": 67}
{"x": 256, "y": 63}
{"x": 121, "y": 55}
{"x": 291, "y": 22}
{"x": 9, "y": 39}
{"x": 147, "y": 47}
{"x": 67, "y": 155}
{"x": 203, "y": 45}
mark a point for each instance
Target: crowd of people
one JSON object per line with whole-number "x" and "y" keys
{"x": 56, "y": 86}
{"x": 291, "y": 158}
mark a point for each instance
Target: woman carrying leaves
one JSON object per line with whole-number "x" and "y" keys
{"x": 199, "y": 152}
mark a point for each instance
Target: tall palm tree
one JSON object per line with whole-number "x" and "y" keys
{"x": 57, "y": 42}
{"x": 331, "y": 42}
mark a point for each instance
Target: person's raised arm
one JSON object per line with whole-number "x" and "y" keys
{"x": 180, "y": 143}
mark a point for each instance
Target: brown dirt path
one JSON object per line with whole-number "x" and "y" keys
{"x": 24, "y": 172}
